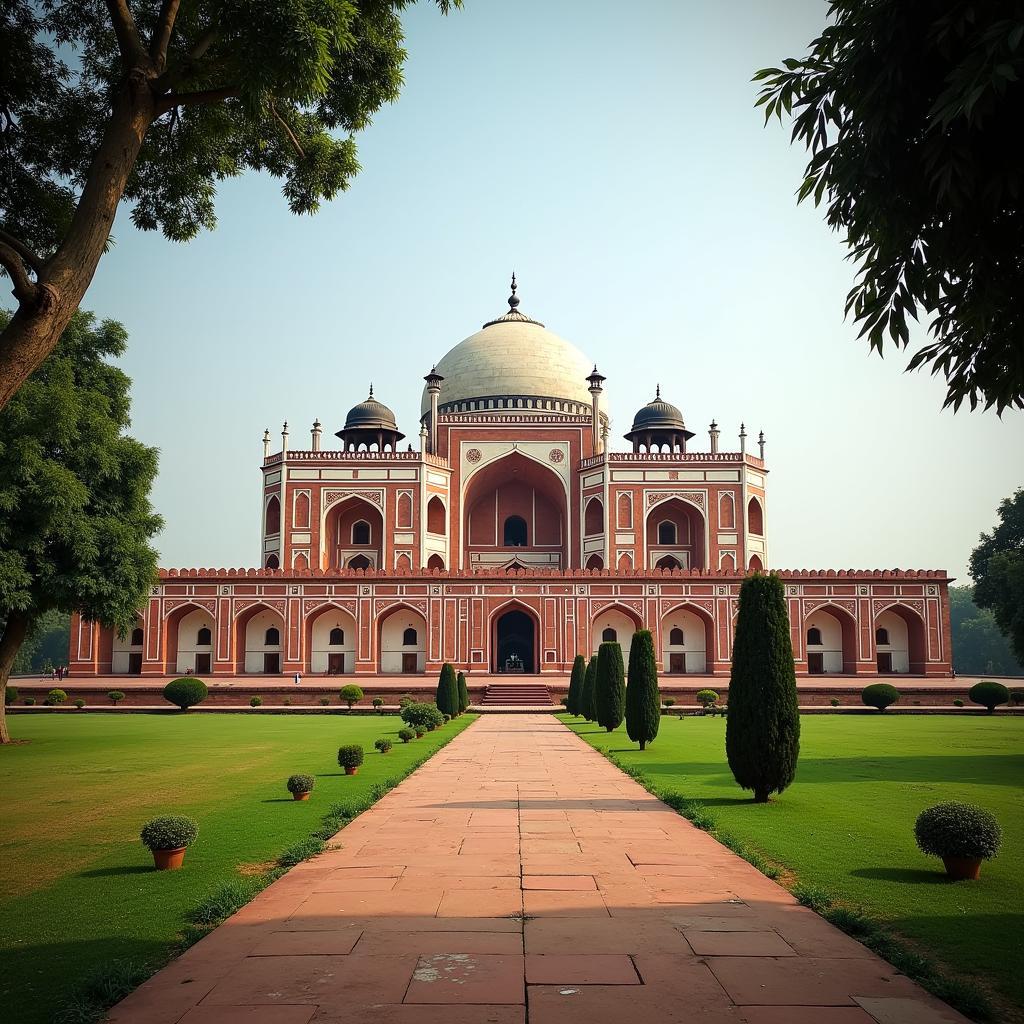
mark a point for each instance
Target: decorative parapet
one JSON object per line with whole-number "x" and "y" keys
{"x": 632, "y": 458}
{"x": 344, "y": 457}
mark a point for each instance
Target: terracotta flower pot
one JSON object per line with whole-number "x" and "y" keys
{"x": 169, "y": 860}
{"x": 962, "y": 869}
{"x": 351, "y": 771}
{"x": 300, "y": 796}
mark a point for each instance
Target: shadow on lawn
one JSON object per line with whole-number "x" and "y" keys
{"x": 909, "y": 876}
{"x": 120, "y": 869}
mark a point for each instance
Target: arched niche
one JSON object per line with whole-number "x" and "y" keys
{"x": 620, "y": 620}
{"x": 331, "y": 641}
{"x": 353, "y": 527}
{"x": 253, "y": 655}
{"x": 190, "y": 634}
{"x": 687, "y": 635}
{"x": 837, "y": 650}
{"x": 676, "y": 528}
{"x": 127, "y": 651}
{"x": 401, "y": 641}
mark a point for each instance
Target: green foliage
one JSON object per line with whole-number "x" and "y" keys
{"x": 324, "y": 702}
{"x": 101, "y": 990}
{"x": 225, "y": 900}
{"x": 706, "y": 698}
{"x": 300, "y": 783}
{"x": 958, "y": 830}
{"x": 463, "y": 693}
{"x": 351, "y": 694}
{"x": 302, "y": 850}
{"x": 588, "y": 706}
{"x": 762, "y": 736}
{"x": 45, "y": 645}
{"x": 1017, "y": 695}
{"x": 350, "y": 755}
{"x": 997, "y": 567}
{"x": 426, "y": 716}
{"x": 979, "y": 646}
{"x": 10, "y": 694}
{"x": 669, "y": 702}
{"x": 834, "y": 701}
{"x": 115, "y": 696}
{"x": 989, "y": 694}
{"x": 383, "y": 745}
{"x": 169, "y": 832}
{"x": 56, "y": 697}
{"x": 186, "y": 692}
{"x": 957, "y": 702}
{"x": 575, "y": 695}
{"x": 420, "y": 732}
{"x": 79, "y": 703}
{"x": 609, "y": 687}
{"x": 643, "y": 700}
{"x": 255, "y": 702}
{"x": 447, "y": 691}
{"x": 879, "y": 695}
{"x": 406, "y": 734}
{"x": 378, "y": 703}
{"x": 905, "y": 110}
{"x": 30, "y": 702}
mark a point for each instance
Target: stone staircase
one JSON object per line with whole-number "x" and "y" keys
{"x": 516, "y": 695}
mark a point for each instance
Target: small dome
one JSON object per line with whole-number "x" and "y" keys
{"x": 659, "y": 415}
{"x": 370, "y": 414}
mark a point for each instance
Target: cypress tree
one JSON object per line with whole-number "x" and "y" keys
{"x": 463, "y": 692}
{"x": 643, "y": 701}
{"x": 573, "y": 702}
{"x": 587, "y": 707}
{"x": 762, "y": 734}
{"x": 610, "y": 689}
{"x": 447, "y": 691}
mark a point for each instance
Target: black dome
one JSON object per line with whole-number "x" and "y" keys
{"x": 659, "y": 415}
{"x": 370, "y": 414}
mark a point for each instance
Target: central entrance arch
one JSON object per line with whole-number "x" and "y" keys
{"x": 514, "y": 642}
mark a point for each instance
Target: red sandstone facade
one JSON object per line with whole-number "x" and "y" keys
{"x": 512, "y": 540}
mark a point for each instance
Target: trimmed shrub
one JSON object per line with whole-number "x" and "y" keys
{"x": 460, "y": 680}
{"x": 834, "y": 701}
{"x": 707, "y": 698}
{"x": 669, "y": 702}
{"x": 762, "y": 733}
{"x": 256, "y": 702}
{"x": 169, "y": 832}
{"x": 115, "y": 696}
{"x": 378, "y": 703}
{"x": 1016, "y": 695}
{"x": 987, "y": 693}
{"x": 957, "y": 702}
{"x": 300, "y": 783}
{"x": 574, "y": 698}
{"x": 186, "y": 692}
{"x": 425, "y": 716}
{"x": 879, "y": 695}
{"x": 56, "y": 697}
{"x": 447, "y": 700}
{"x": 383, "y": 745}
{"x": 406, "y": 734}
{"x": 324, "y": 701}
{"x": 351, "y": 693}
{"x": 643, "y": 701}
{"x": 447, "y": 719}
{"x": 610, "y": 688}
{"x": 350, "y": 756}
{"x": 587, "y": 706}
{"x": 10, "y": 695}
{"x": 286, "y": 701}
{"x": 29, "y": 701}
{"x": 406, "y": 698}
{"x": 958, "y": 830}
{"x": 79, "y": 703}
{"x": 420, "y": 732}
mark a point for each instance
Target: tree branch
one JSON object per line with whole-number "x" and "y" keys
{"x": 203, "y": 43}
{"x": 127, "y": 34}
{"x": 22, "y": 250}
{"x": 163, "y": 30}
{"x": 25, "y": 289}
{"x": 284, "y": 125}
{"x": 194, "y": 99}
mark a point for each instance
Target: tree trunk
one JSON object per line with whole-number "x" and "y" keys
{"x": 37, "y": 325}
{"x": 643, "y": 744}
{"x": 13, "y": 637}
{"x": 760, "y": 796}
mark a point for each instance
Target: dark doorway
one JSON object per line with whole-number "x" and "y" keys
{"x": 515, "y": 532}
{"x": 815, "y": 663}
{"x": 271, "y": 664}
{"x": 134, "y": 664}
{"x": 336, "y": 664}
{"x": 515, "y": 643}
{"x": 409, "y": 663}
{"x": 884, "y": 662}
{"x": 202, "y": 663}
{"x": 677, "y": 662}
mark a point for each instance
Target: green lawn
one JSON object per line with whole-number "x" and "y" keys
{"x": 77, "y": 889}
{"x": 846, "y": 824}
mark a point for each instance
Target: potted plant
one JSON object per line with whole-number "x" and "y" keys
{"x": 406, "y": 734}
{"x": 350, "y": 758}
{"x": 378, "y": 703}
{"x": 383, "y": 745}
{"x": 167, "y": 838}
{"x": 115, "y": 696}
{"x": 300, "y": 786}
{"x": 961, "y": 834}
{"x": 350, "y": 694}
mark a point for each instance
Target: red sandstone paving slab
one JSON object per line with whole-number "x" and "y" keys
{"x": 805, "y": 1015}
{"x": 423, "y": 943}
{"x": 734, "y": 943}
{"x": 580, "y": 969}
{"x": 467, "y": 978}
{"x": 348, "y": 884}
{"x": 441, "y": 924}
{"x": 367, "y": 871}
{"x": 285, "y": 943}
{"x": 806, "y": 981}
{"x": 924, "y": 1010}
{"x": 249, "y": 1015}
{"x": 433, "y": 880}
{"x": 602, "y": 935}
{"x": 548, "y": 847}
{"x": 480, "y": 903}
{"x": 622, "y": 1004}
{"x": 423, "y": 1013}
{"x": 559, "y": 882}
{"x": 548, "y": 903}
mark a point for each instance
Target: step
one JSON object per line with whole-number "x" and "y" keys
{"x": 517, "y": 694}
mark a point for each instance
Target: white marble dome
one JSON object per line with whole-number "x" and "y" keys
{"x": 513, "y": 357}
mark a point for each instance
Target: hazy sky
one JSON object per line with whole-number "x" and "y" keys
{"x": 612, "y": 155}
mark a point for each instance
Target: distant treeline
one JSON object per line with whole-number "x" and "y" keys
{"x": 46, "y": 647}
{"x": 979, "y": 649}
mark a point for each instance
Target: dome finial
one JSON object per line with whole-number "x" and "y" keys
{"x": 371, "y": 389}
{"x": 513, "y": 299}
{"x": 657, "y": 392}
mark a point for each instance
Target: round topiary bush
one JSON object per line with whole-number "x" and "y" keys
{"x": 425, "y": 716}
{"x": 383, "y": 745}
{"x": 79, "y": 703}
{"x": 56, "y": 697}
{"x": 10, "y": 695}
{"x": 350, "y": 757}
{"x": 115, "y": 696}
{"x": 256, "y": 702}
{"x": 29, "y": 701}
{"x": 707, "y": 698}
{"x": 378, "y": 703}
{"x": 989, "y": 694}
{"x": 669, "y": 702}
{"x": 446, "y": 719}
{"x": 834, "y": 701}
{"x": 958, "y": 830}
{"x": 186, "y": 692}
{"x": 300, "y": 784}
{"x": 957, "y": 702}
{"x": 1016, "y": 695}
{"x": 324, "y": 701}
{"x": 351, "y": 694}
{"x": 169, "y": 832}
{"x": 406, "y": 734}
{"x": 879, "y": 695}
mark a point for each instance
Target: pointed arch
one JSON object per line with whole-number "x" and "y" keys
{"x": 593, "y": 517}
{"x": 755, "y": 564}
{"x": 394, "y": 655}
{"x": 437, "y": 517}
{"x": 253, "y": 654}
{"x": 184, "y": 649}
{"x": 127, "y": 651}
{"x": 403, "y": 511}
{"x": 837, "y": 631}
{"x": 595, "y": 562}
{"x": 341, "y": 541}
{"x": 624, "y": 515}
{"x": 327, "y": 652}
{"x": 727, "y": 561}
{"x": 755, "y": 517}
{"x": 272, "y": 516}
{"x": 435, "y": 563}
{"x": 726, "y": 511}
{"x": 687, "y": 639}
{"x": 514, "y": 629}
{"x": 300, "y": 511}
{"x": 917, "y": 635}
{"x": 620, "y": 618}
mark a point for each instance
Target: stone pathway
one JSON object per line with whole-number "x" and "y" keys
{"x": 519, "y": 876}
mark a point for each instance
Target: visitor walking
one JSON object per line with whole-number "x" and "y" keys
{"x": 298, "y": 678}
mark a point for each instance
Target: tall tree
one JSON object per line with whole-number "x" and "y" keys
{"x": 575, "y": 696}
{"x": 979, "y": 646}
{"x": 910, "y": 114}
{"x": 588, "y": 707}
{"x": 460, "y": 679}
{"x": 447, "y": 699}
{"x": 162, "y": 100}
{"x": 997, "y": 567}
{"x": 74, "y": 490}
{"x": 609, "y": 687}
{"x": 762, "y": 733}
{"x": 643, "y": 699}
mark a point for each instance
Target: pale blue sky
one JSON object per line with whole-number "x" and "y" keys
{"x": 612, "y": 155}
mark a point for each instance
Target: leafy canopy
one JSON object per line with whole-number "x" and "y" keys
{"x": 911, "y": 115}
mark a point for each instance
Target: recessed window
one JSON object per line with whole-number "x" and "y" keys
{"x": 272, "y": 637}
{"x": 359, "y": 562}
{"x": 337, "y": 637}
{"x": 881, "y": 636}
{"x": 204, "y": 638}
{"x": 515, "y": 532}
{"x": 814, "y": 637}
{"x": 272, "y": 562}
{"x": 361, "y": 532}
{"x": 137, "y": 637}
{"x": 676, "y": 637}
{"x": 666, "y": 533}
{"x": 409, "y": 637}
{"x": 668, "y": 562}
{"x": 609, "y": 636}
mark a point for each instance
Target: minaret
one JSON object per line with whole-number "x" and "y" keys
{"x": 317, "y": 433}
{"x": 266, "y": 443}
{"x": 743, "y": 438}
{"x": 433, "y": 380}
{"x": 713, "y": 433}
{"x": 423, "y": 438}
{"x": 595, "y": 380}
{"x": 760, "y": 444}
{"x": 284, "y": 437}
